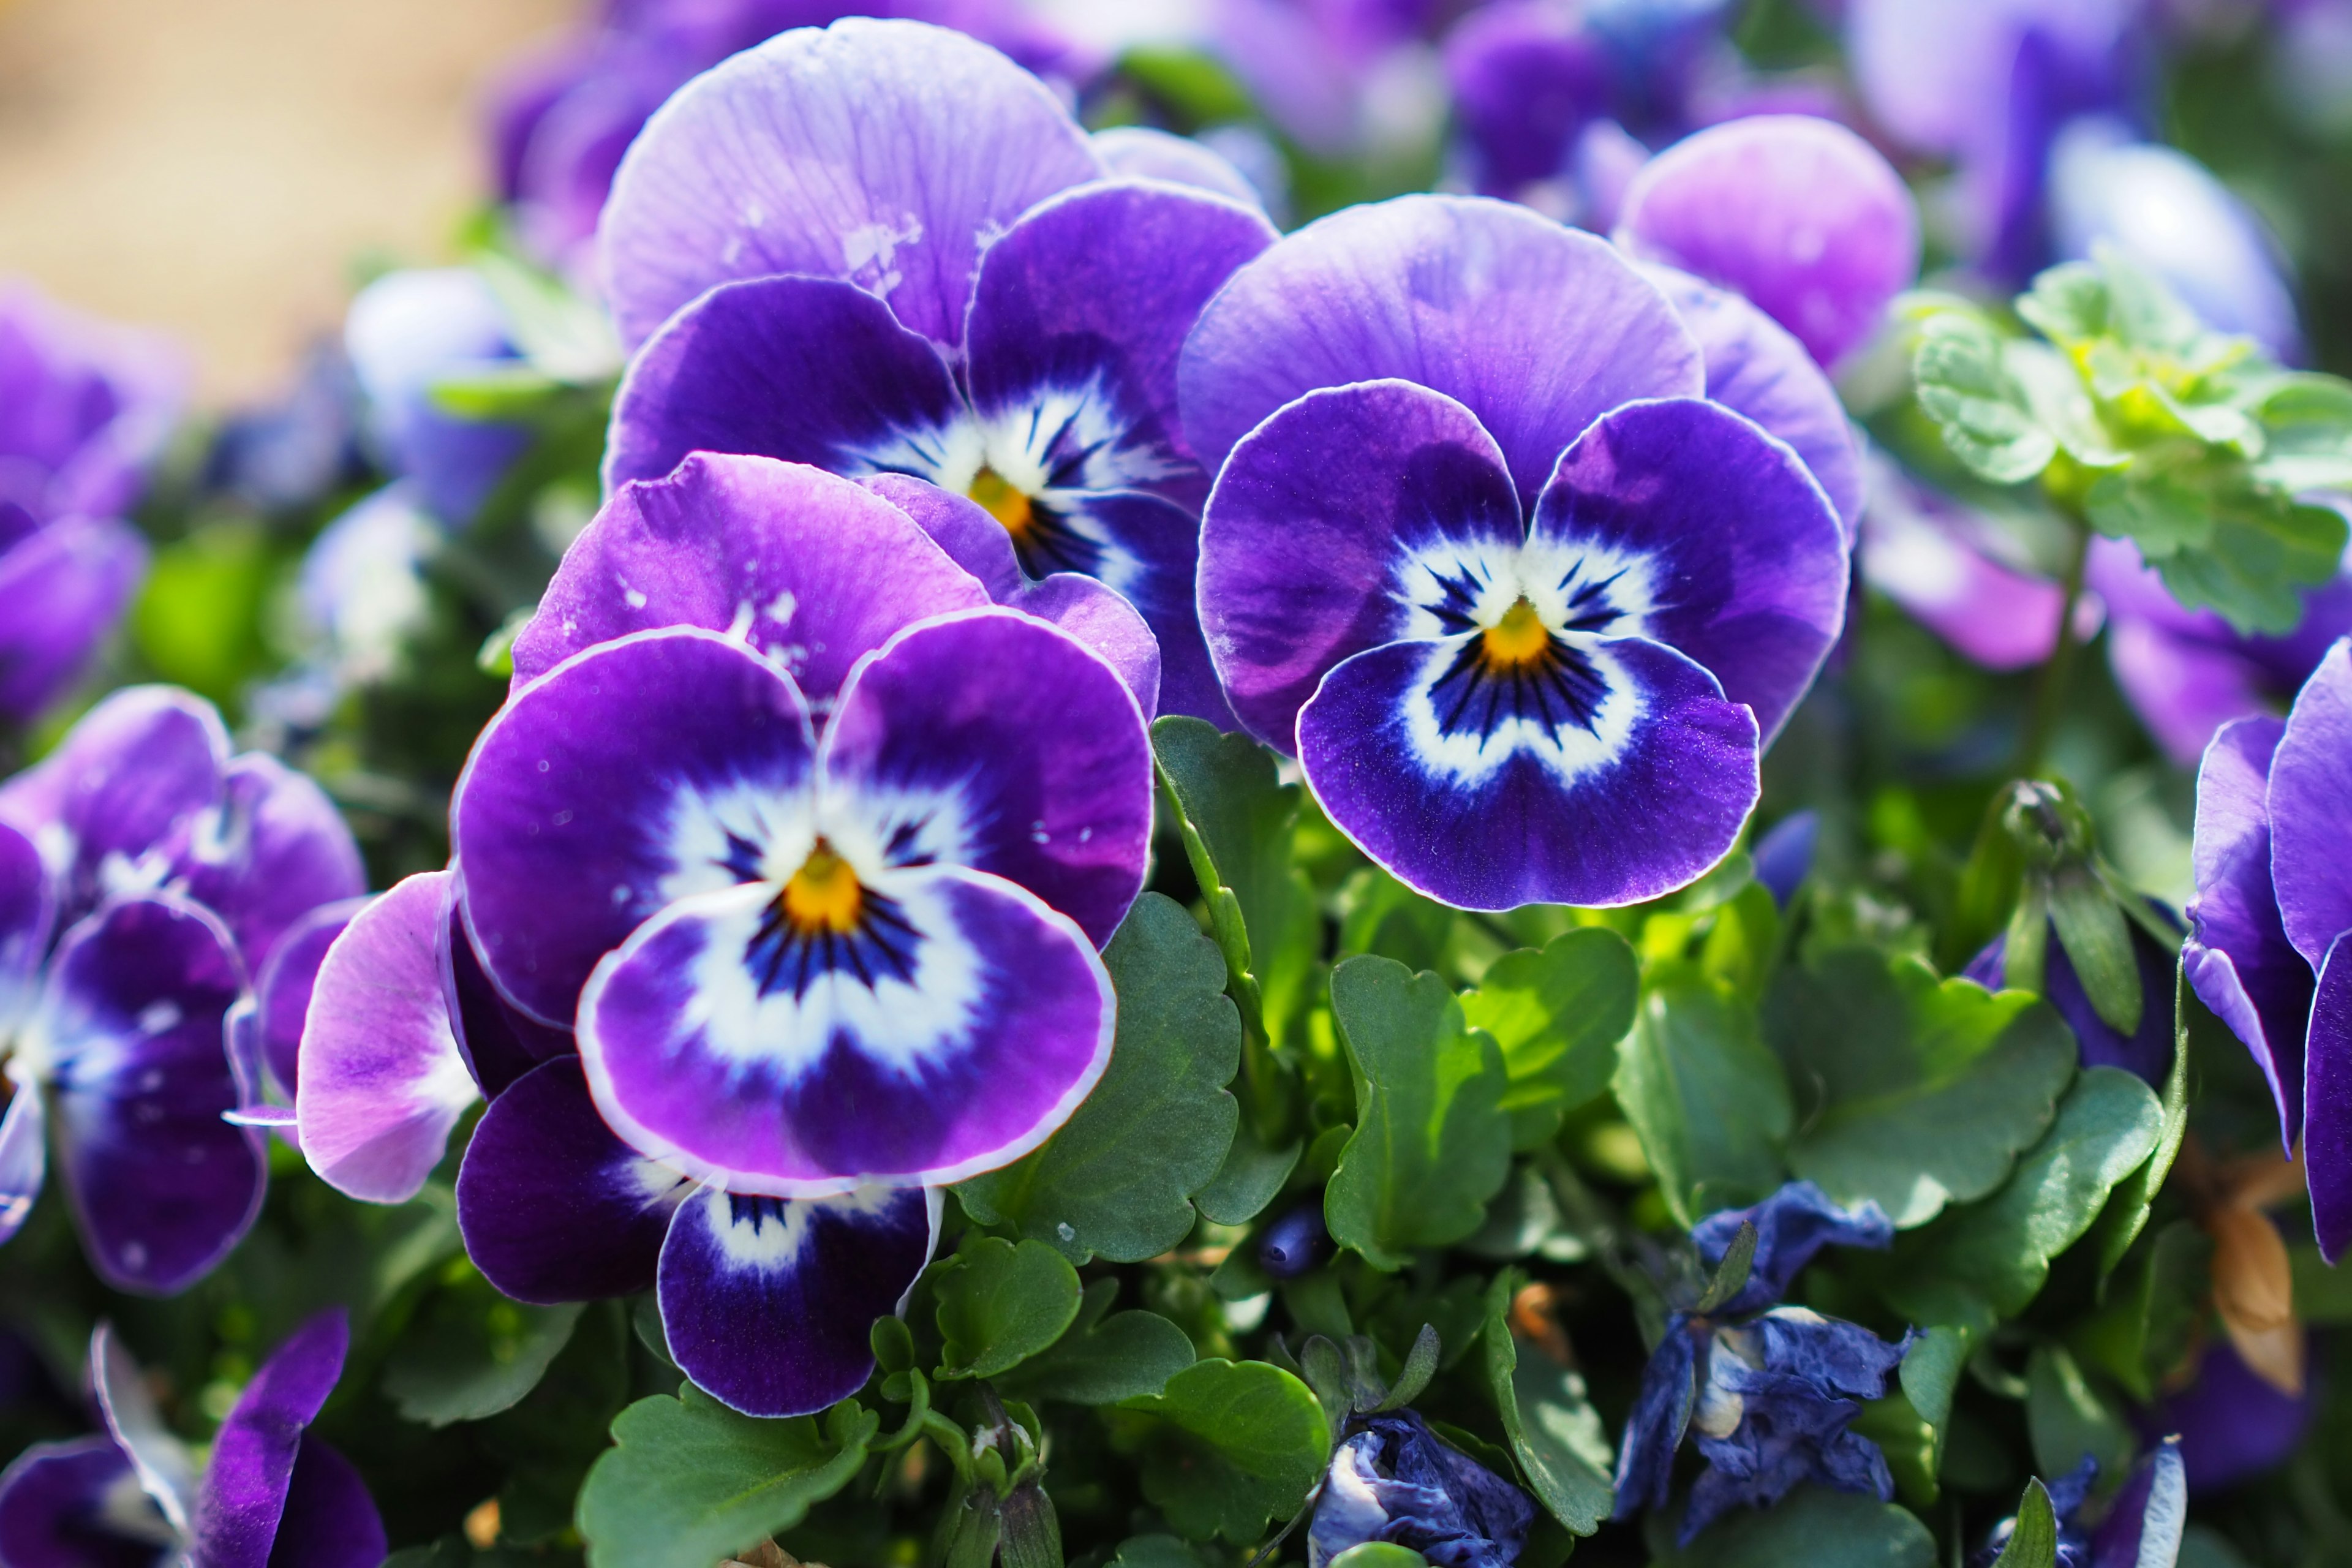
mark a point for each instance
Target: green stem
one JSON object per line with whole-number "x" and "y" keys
{"x": 2049, "y": 692}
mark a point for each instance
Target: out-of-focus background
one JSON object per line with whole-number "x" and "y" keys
{"x": 217, "y": 167}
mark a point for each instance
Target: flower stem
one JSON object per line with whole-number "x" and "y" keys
{"x": 2049, "y": 690}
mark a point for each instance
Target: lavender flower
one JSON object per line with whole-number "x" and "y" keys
{"x": 2273, "y": 896}
{"x": 1393, "y": 1479}
{"x": 1768, "y": 1390}
{"x": 406, "y": 332}
{"x": 84, "y": 407}
{"x": 268, "y": 1492}
{"x": 1522, "y": 601}
{"x": 145, "y": 874}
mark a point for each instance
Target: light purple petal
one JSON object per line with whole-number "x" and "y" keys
{"x": 85, "y": 404}
{"x": 330, "y": 1521}
{"x": 886, "y": 154}
{"x": 1800, "y": 215}
{"x": 134, "y": 1022}
{"x": 1539, "y": 329}
{"x": 809, "y": 370}
{"x": 282, "y": 994}
{"x": 1313, "y": 546}
{"x": 950, "y": 1037}
{"x": 804, "y": 568}
{"x": 555, "y": 1207}
{"x": 1626, "y": 779}
{"x": 1008, "y": 746}
{"x": 2327, "y": 1103}
{"x": 272, "y": 849}
{"x": 2184, "y": 690}
{"x": 815, "y": 1273}
{"x": 243, "y": 1495}
{"x": 2310, "y": 803}
{"x": 24, "y": 1157}
{"x": 1930, "y": 556}
{"x": 1146, "y": 152}
{"x": 1756, "y": 368}
{"x": 625, "y": 778}
{"x": 2146, "y": 1522}
{"x": 381, "y": 1082}
{"x": 166, "y": 1470}
{"x": 61, "y": 592}
{"x": 2238, "y": 958}
{"x": 1101, "y": 618}
{"x": 499, "y": 1040}
{"x": 1684, "y": 522}
{"x": 407, "y": 332}
{"x": 67, "y": 1505}
{"x": 972, "y": 538}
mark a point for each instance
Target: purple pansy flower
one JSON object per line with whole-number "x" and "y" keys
{"x": 2273, "y": 855}
{"x": 2233, "y": 1422}
{"x": 1393, "y": 1480}
{"x": 1768, "y": 1390}
{"x": 883, "y": 248}
{"x": 406, "y": 333}
{"x": 1522, "y": 602}
{"x": 268, "y": 1492}
{"x": 145, "y": 875}
{"x": 84, "y": 407}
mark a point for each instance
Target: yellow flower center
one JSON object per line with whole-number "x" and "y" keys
{"x": 1519, "y": 638}
{"x": 1004, "y": 503}
{"x": 824, "y": 894}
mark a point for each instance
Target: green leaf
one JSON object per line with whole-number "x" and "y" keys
{"x": 2163, "y": 513}
{"x": 1000, "y": 1304}
{"x": 691, "y": 1481}
{"x": 2097, "y": 940}
{"x": 1252, "y": 1177}
{"x": 2128, "y": 1213}
{"x": 1966, "y": 387}
{"x": 1158, "y": 1552}
{"x": 198, "y": 615}
{"x": 2154, "y": 1306}
{"x": 472, "y": 1352}
{"x": 1998, "y": 1253}
{"x": 1555, "y": 1434}
{"x": 1812, "y": 1527}
{"x": 1117, "y": 1179}
{"x": 1378, "y": 1554}
{"x": 2067, "y": 1418}
{"x": 1103, "y": 1360}
{"x": 1928, "y": 1088}
{"x": 1910, "y": 1424}
{"x": 1420, "y": 1366}
{"x": 548, "y": 1441}
{"x": 2323, "y": 1292}
{"x": 1731, "y": 1274}
{"x": 2266, "y": 548}
{"x": 2034, "y": 1540}
{"x": 1558, "y": 1011}
{"x": 1432, "y": 1144}
{"x": 1237, "y": 1444}
{"x": 1708, "y": 1102}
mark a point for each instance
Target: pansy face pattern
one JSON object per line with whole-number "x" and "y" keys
{"x": 884, "y": 248}
{"x": 1523, "y": 613}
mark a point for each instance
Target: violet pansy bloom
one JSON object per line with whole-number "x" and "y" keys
{"x": 84, "y": 407}
{"x": 2273, "y": 855}
{"x": 268, "y": 1492}
{"x": 883, "y": 248}
{"x": 406, "y": 332}
{"x": 1521, "y": 600}
{"x": 145, "y": 875}
{"x": 1393, "y": 1480}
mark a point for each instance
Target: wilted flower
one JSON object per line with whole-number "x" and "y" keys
{"x": 144, "y": 875}
{"x": 2140, "y": 1527}
{"x": 267, "y": 1492}
{"x": 797, "y": 245}
{"x": 84, "y": 407}
{"x": 1393, "y": 1479}
{"x": 1524, "y": 603}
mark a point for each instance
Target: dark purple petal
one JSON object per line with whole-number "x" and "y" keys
{"x": 272, "y": 849}
{"x": 2232, "y": 1423}
{"x": 884, "y": 153}
{"x": 1619, "y": 775}
{"x": 801, "y": 566}
{"x": 950, "y": 1035}
{"x": 1792, "y": 1226}
{"x": 381, "y": 1081}
{"x": 1076, "y": 319}
{"x": 85, "y": 404}
{"x": 78, "y": 1505}
{"x": 1784, "y": 855}
{"x": 134, "y": 1018}
{"x": 1145, "y": 548}
{"x": 243, "y": 1495}
{"x": 1537, "y": 329}
{"x": 2147, "y": 1519}
{"x": 1756, "y": 368}
{"x": 499, "y": 1041}
{"x": 625, "y": 778}
{"x": 1003, "y": 744}
{"x": 1701, "y": 532}
{"x": 2310, "y": 803}
{"x": 330, "y": 1521}
{"x": 61, "y": 592}
{"x": 555, "y": 1207}
{"x": 24, "y": 1156}
{"x": 1800, "y": 215}
{"x": 1527, "y": 79}
{"x": 1313, "y": 547}
{"x": 2238, "y": 958}
{"x": 283, "y": 990}
{"x": 1655, "y": 1427}
{"x": 2327, "y": 1103}
{"x": 1146, "y": 152}
{"x": 809, "y": 370}
{"x": 133, "y": 770}
{"x": 767, "y": 1302}
{"x": 27, "y": 911}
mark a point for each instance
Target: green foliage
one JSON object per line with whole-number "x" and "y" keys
{"x": 1555, "y": 1434}
{"x": 2033, "y": 1541}
{"x": 1000, "y": 1304}
{"x": 2068, "y": 1418}
{"x": 1917, "y": 1092}
{"x": 1104, "y": 1359}
{"x": 1432, "y": 1142}
{"x": 1709, "y": 1101}
{"x": 1812, "y": 1527}
{"x": 1557, "y": 1012}
{"x": 690, "y": 1481}
{"x": 1230, "y": 1445}
{"x": 1118, "y": 1178}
